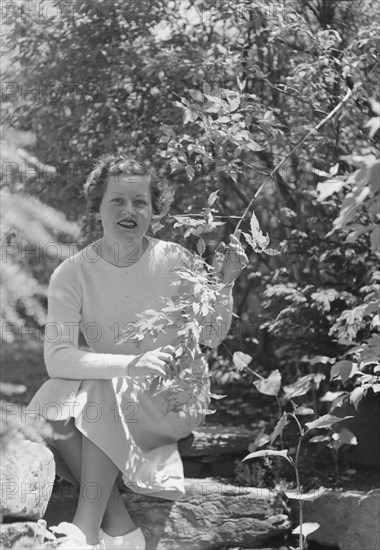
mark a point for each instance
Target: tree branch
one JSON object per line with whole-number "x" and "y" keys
{"x": 297, "y": 146}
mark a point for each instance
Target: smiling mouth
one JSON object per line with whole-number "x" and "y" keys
{"x": 127, "y": 224}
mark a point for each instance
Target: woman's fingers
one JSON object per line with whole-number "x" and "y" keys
{"x": 159, "y": 362}
{"x": 168, "y": 349}
{"x": 235, "y": 259}
{"x": 167, "y": 354}
{"x": 164, "y": 357}
{"x": 235, "y": 239}
{"x": 236, "y": 248}
{"x": 160, "y": 371}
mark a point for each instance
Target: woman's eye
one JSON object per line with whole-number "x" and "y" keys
{"x": 116, "y": 200}
{"x": 140, "y": 202}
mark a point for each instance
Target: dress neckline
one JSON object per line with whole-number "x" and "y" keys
{"x": 141, "y": 261}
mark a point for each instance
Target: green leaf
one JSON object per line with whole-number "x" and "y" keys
{"x": 351, "y": 204}
{"x": 343, "y": 437}
{"x": 375, "y": 239}
{"x": 331, "y": 396}
{"x": 201, "y": 246}
{"x": 272, "y": 252}
{"x": 182, "y": 397}
{"x": 252, "y": 145}
{"x": 324, "y": 359}
{"x": 327, "y": 188}
{"x": 343, "y": 370}
{"x": 261, "y": 439}
{"x": 302, "y": 385}
{"x": 312, "y": 495}
{"x": 189, "y": 116}
{"x": 356, "y": 396}
{"x": 303, "y": 411}
{"x": 270, "y": 385}
{"x": 241, "y": 360}
{"x": 154, "y": 385}
{"x": 197, "y": 95}
{"x": 196, "y": 307}
{"x": 372, "y": 307}
{"x": 190, "y": 172}
{"x": 374, "y": 125}
{"x": 269, "y": 452}
{"x": 357, "y": 230}
{"x": 307, "y": 529}
{"x": 319, "y": 439}
{"x": 375, "y": 105}
{"x": 279, "y": 428}
{"x": 233, "y": 104}
{"x": 212, "y": 198}
{"x": 241, "y": 84}
{"x": 217, "y": 396}
{"x": 258, "y": 241}
{"x": 325, "y": 421}
{"x": 211, "y": 107}
{"x": 223, "y": 119}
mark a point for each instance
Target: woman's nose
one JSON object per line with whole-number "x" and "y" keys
{"x": 128, "y": 209}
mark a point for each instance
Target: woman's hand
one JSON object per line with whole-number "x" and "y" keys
{"x": 232, "y": 260}
{"x": 158, "y": 362}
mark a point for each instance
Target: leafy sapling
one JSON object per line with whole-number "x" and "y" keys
{"x": 325, "y": 421}
{"x": 192, "y": 311}
{"x": 272, "y": 386}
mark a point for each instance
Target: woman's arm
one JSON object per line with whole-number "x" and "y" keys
{"x": 217, "y": 324}
{"x": 63, "y": 358}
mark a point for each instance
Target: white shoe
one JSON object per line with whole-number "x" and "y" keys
{"x": 74, "y": 538}
{"x": 134, "y": 540}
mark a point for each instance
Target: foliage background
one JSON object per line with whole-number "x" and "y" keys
{"x": 214, "y": 95}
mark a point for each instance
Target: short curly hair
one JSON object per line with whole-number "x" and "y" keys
{"x": 115, "y": 165}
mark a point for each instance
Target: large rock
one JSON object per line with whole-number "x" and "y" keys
{"x": 211, "y": 514}
{"x": 348, "y": 519}
{"x": 211, "y": 451}
{"x": 17, "y": 535}
{"x": 216, "y": 441}
{"x": 27, "y": 473}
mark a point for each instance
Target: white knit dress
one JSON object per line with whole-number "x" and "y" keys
{"x": 117, "y": 413}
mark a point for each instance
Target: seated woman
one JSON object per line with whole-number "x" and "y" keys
{"x": 99, "y": 398}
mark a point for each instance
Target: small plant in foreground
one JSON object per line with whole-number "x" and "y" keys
{"x": 325, "y": 421}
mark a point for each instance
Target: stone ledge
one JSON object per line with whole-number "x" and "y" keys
{"x": 217, "y": 440}
{"x": 211, "y": 451}
{"x": 348, "y": 520}
{"x": 212, "y": 514}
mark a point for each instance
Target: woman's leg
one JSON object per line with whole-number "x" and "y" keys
{"x": 98, "y": 475}
{"x": 116, "y": 519}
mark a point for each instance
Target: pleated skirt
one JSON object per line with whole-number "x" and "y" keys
{"x": 133, "y": 428}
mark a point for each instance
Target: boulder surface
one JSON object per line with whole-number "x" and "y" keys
{"x": 16, "y": 535}
{"x": 27, "y": 473}
{"x": 348, "y": 520}
{"x": 210, "y": 515}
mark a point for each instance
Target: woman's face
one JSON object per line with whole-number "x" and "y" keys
{"x": 126, "y": 208}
